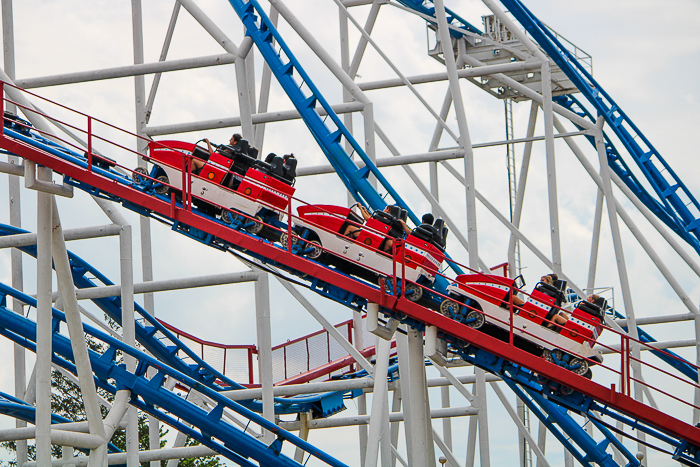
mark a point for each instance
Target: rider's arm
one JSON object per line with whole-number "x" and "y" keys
{"x": 365, "y": 213}
{"x": 211, "y": 151}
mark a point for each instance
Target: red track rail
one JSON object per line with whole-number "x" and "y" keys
{"x": 605, "y": 395}
{"x": 609, "y": 396}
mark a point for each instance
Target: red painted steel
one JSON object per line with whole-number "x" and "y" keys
{"x": 618, "y": 400}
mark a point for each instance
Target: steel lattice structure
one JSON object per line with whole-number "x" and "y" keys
{"x": 289, "y": 79}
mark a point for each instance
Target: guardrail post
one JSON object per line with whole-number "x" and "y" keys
{"x": 400, "y": 244}
{"x": 2, "y": 106}
{"x": 510, "y": 307}
{"x": 289, "y": 223}
{"x": 89, "y": 143}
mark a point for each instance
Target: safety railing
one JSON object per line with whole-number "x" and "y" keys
{"x": 619, "y": 344}
{"x": 234, "y": 361}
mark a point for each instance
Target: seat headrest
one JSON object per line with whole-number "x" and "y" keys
{"x": 395, "y": 211}
{"x": 403, "y": 215}
{"x": 439, "y": 223}
{"x": 276, "y": 164}
{"x": 290, "y": 169}
{"x": 443, "y": 236}
{"x": 591, "y": 309}
{"x": 601, "y": 302}
{"x": 242, "y": 145}
{"x": 425, "y": 232}
{"x": 269, "y": 157}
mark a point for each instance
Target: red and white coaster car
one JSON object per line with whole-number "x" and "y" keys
{"x": 487, "y": 299}
{"x": 324, "y": 224}
{"x": 247, "y": 190}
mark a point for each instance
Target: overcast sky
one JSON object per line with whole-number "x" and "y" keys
{"x": 646, "y": 55}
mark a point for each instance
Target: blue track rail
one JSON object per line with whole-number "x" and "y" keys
{"x": 329, "y": 132}
{"x": 166, "y": 347}
{"x": 680, "y": 205}
{"x": 329, "y": 135}
{"x": 574, "y": 401}
{"x": 209, "y": 426}
{"x": 427, "y": 8}
{"x": 17, "y": 408}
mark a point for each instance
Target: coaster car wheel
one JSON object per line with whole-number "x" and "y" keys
{"x": 475, "y": 319}
{"x": 257, "y": 225}
{"x": 162, "y": 188}
{"x": 139, "y": 175}
{"x": 448, "y": 304}
{"x": 315, "y": 250}
{"x": 412, "y": 291}
{"x": 284, "y": 239}
{"x": 555, "y": 356}
{"x": 566, "y": 390}
{"x": 578, "y": 365}
{"x": 227, "y": 217}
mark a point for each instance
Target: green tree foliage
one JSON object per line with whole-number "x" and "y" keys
{"x": 66, "y": 401}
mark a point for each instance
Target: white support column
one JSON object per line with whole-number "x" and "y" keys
{"x": 541, "y": 442}
{"x": 620, "y": 260}
{"x": 20, "y": 370}
{"x": 522, "y": 181}
{"x": 265, "y": 88}
{"x": 434, "y": 142}
{"x": 244, "y": 99}
{"x": 362, "y": 44}
{"x": 75, "y": 330}
{"x": 595, "y": 242}
{"x": 44, "y": 323}
{"x": 139, "y": 83}
{"x": 358, "y": 336}
{"x": 262, "y": 314}
{"x": 369, "y": 127}
{"x": 395, "y": 426}
{"x": 551, "y": 167}
{"x": 129, "y": 337}
{"x": 304, "y": 418}
{"x": 464, "y": 137}
{"x": 145, "y": 230}
{"x": 446, "y": 422}
{"x": 347, "y": 121}
{"x": 480, "y": 393}
{"x": 418, "y": 429}
{"x": 379, "y": 418}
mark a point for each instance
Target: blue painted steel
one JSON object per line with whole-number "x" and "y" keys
{"x": 328, "y": 135}
{"x": 552, "y": 402}
{"x": 284, "y": 66}
{"x": 166, "y": 347}
{"x": 661, "y": 177}
{"x": 687, "y": 454}
{"x": 151, "y": 397}
{"x": 453, "y": 19}
{"x": 17, "y": 408}
{"x": 619, "y": 166}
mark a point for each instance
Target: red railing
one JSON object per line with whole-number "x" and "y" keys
{"x": 233, "y": 361}
{"x": 620, "y": 370}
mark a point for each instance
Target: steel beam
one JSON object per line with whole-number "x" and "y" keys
{"x": 127, "y": 71}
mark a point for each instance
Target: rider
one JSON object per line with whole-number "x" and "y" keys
{"x": 353, "y": 231}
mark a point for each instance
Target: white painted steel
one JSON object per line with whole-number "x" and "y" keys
{"x": 253, "y": 120}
